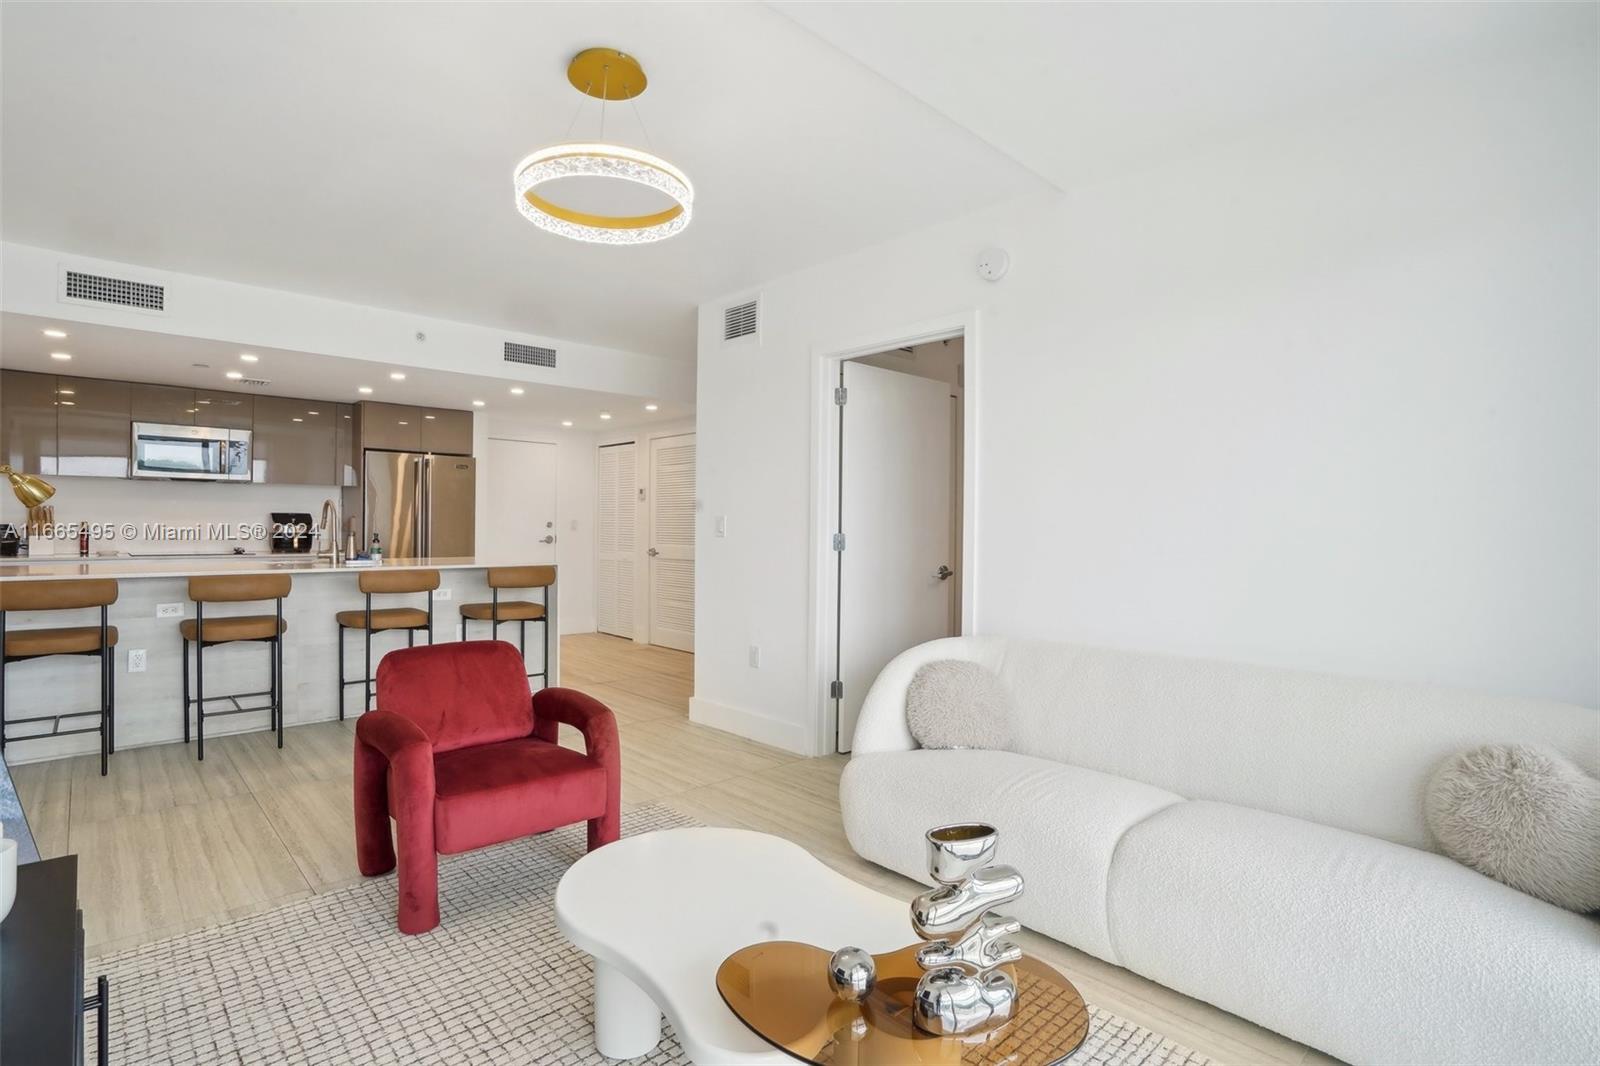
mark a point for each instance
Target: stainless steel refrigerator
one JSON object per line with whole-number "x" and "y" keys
{"x": 418, "y": 505}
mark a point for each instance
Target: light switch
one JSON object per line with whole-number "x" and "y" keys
{"x": 722, "y": 525}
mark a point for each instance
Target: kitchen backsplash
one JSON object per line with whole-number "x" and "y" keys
{"x": 172, "y": 516}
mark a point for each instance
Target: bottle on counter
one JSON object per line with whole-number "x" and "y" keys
{"x": 376, "y": 551}
{"x": 83, "y": 542}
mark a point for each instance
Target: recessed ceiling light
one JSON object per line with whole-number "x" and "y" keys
{"x": 248, "y": 358}
{"x": 567, "y": 423}
{"x": 297, "y": 420}
{"x": 55, "y": 334}
{"x": 477, "y": 403}
{"x": 63, "y": 356}
{"x": 233, "y": 375}
{"x": 652, "y": 407}
{"x": 365, "y": 390}
{"x": 605, "y": 416}
{"x": 516, "y": 390}
{"x": 395, "y": 375}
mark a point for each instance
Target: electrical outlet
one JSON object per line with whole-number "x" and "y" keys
{"x": 135, "y": 660}
{"x": 442, "y": 593}
{"x": 755, "y": 656}
{"x": 169, "y": 610}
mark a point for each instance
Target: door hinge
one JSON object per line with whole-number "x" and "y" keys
{"x": 841, "y": 395}
{"x": 836, "y": 690}
{"x": 838, "y": 542}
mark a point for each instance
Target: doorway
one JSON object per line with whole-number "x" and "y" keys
{"x": 616, "y": 543}
{"x": 670, "y": 557}
{"x": 645, "y": 551}
{"x": 898, "y": 512}
{"x": 522, "y": 483}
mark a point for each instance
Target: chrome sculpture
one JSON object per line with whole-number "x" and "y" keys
{"x": 962, "y": 989}
{"x": 852, "y": 972}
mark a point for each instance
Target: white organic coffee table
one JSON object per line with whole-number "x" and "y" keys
{"x": 659, "y": 912}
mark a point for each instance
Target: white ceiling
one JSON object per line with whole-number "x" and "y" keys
{"x": 167, "y": 359}
{"x": 363, "y": 152}
{"x": 1082, "y": 92}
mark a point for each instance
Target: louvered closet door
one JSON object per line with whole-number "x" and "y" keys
{"x": 618, "y": 542}
{"x": 671, "y": 553}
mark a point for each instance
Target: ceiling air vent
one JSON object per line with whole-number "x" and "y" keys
{"x": 530, "y": 354}
{"x": 99, "y": 288}
{"x": 255, "y": 383}
{"x": 740, "y": 320}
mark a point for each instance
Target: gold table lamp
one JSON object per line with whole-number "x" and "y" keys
{"x": 30, "y": 489}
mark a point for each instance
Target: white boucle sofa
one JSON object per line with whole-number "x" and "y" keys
{"x": 1252, "y": 837}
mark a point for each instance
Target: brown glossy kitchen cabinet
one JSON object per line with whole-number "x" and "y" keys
{"x": 293, "y": 442}
{"x": 28, "y": 421}
{"x": 168, "y": 405}
{"x": 344, "y": 446}
{"x": 224, "y": 410}
{"x": 391, "y": 426}
{"x": 449, "y": 432}
{"x": 93, "y": 427}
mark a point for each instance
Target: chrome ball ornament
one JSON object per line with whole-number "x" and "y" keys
{"x": 852, "y": 973}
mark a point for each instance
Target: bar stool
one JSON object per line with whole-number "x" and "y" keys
{"x": 100, "y": 641}
{"x": 387, "y": 619}
{"x": 520, "y": 611}
{"x": 231, "y": 629}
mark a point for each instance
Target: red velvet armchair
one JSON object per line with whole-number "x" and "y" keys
{"x": 461, "y": 756}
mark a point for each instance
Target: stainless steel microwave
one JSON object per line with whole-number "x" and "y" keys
{"x": 195, "y": 453}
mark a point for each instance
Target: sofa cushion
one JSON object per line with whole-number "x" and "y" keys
{"x": 1368, "y": 950}
{"x": 502, "y": 791}
{"x": 952, "y": 703}
{"x": 1058, "y": 825}
{"x": 1523, "y": 816}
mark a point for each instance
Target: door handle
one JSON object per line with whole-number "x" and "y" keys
{"x": 548, "y": 538}
{"x": 652, "y": 553}
{"x": 944, "y": 573}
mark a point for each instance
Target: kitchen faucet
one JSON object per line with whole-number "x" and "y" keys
{"x": 328, "y": 532}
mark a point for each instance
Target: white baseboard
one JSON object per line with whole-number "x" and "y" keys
{"x": 790, "y": 736}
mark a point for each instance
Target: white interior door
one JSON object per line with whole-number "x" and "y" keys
{"x": 671, "y": 551}
{"x": 617, "y": 540}
{"x": 521, "y": 484}
{"x": 895, "y": 513}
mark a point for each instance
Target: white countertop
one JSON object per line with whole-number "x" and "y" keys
{"x": 124, "y": 566}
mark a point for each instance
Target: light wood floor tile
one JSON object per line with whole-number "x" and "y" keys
{"x": 673, "y": 691}
{"x": 316, "y": 822}
{"x": 151, "y": 779}
{"x": 319, "y": 752}
{"x": 45, "y": 790}
{"x": 629, "y": 706}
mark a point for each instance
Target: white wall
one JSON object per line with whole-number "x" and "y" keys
{"x": 1323, "y": 397}
{"x": 575, "y": 480}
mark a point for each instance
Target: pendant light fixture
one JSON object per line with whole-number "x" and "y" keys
{"x": 606, "y": 74}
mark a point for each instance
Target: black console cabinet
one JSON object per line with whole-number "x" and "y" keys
{"x": 41, "y": 979}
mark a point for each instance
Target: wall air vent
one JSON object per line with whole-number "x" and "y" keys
{"x": 101, "y": 289}
{"x": 530, "y": 354}
{"x": 741, "y": 320}
{"x": 258, "y": 383}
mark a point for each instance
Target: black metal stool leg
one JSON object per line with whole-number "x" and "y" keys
{"x": 105, "y": 733}
{"x": 185, "y": 642}
{"x": 366, "y": 704}
{"x": 341, "y": 673}
{"x": 200, "y": 682}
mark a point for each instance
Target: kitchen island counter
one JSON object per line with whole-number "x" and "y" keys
{"x": 153, "y": 599}
{"x": 122, "y": 566}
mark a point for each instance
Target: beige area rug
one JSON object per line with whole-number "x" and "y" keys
{"x": 328, "y": 979}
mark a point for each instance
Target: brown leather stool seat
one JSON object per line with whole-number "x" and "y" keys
{"x": 508, "y": 611}
{"x": 384, "y": 581}
{"x": 521, "y": 612}
{"x": 204, "y": 632}
{"x": 238, "y": 627}
{"x": 385, "y": 618}
{"x": 67, "y": 640}
{"x": 17, "y": 645}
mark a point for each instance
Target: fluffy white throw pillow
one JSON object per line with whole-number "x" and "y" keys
{"x": 1521, "y": 815}
{"x": 953, "y": 703}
